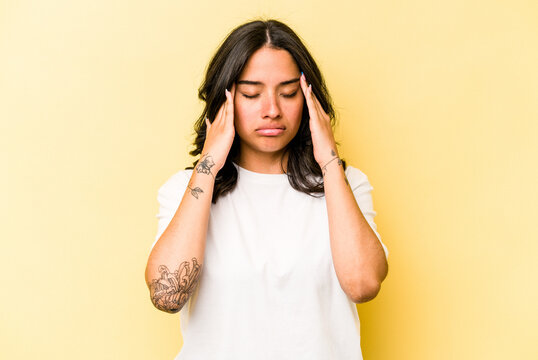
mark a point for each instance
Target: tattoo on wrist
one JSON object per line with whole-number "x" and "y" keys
{"x": 171, "y": 291}
{"x": 196, "y": 191}
{"x": 324, "y": 167}
{"x": 205, "y": 164}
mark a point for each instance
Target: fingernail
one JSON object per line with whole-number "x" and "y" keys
{"x": 310, "y": 87}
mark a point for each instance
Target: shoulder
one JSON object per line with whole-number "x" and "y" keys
{"x": 356, "y": 177}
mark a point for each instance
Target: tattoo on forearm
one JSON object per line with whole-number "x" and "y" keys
{"x": 172, "y": 290}
{"x": 196, "y": 191}
{"x": 205, "y": 164}
{"x": 324, "y": 168}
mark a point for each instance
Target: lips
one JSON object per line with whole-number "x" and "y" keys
{"x": 270, "y": 127}
{"x": 270, "y": 131}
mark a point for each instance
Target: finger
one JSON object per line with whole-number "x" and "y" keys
{"x": 303, "y": 83}
{"x": 207, "y": 123}
{"x": 315, "y": 110}
{"x": 218, "y": 113}
{"x": 318, "y": 106}
{"x": 222, "y": 112}
{"x": 228, "y": 104}
{"x": 316, "y": 101}
{"x": 322, "y": 111}
{"x": 231, "y": 106}
{"x": 319, "y": 109}
{"x": 307, "y": 91}
{"x": 232, "y": 91}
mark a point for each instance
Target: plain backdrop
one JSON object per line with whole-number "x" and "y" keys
{"x": 437, "y": 103}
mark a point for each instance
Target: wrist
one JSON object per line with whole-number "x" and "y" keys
{"x": 206, "y": 165}
{"x": 326, "y": 154}
{"x": 333, "y": 162}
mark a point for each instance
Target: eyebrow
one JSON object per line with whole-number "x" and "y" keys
{"x": 250, "y": 82}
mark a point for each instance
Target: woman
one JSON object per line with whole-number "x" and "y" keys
{"x": 268, "y": 241}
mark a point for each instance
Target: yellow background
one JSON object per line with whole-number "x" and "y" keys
{"x": 437, "y": 104}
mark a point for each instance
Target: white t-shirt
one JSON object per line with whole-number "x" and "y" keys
{"x": 268, "y": 288}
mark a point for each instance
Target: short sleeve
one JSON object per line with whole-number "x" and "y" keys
{"x": 169, "y": 197}
{"x": 362, "y": 190}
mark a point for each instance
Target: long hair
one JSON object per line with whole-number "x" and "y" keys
{"x": 304, "y": 173}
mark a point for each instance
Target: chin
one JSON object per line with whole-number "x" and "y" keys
{"x": 268, "y": 148}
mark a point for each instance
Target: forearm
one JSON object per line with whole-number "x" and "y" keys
{"x": 176, "y": 260}
{"x": 358, "y": 257}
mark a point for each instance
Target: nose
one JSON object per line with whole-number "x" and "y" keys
{"x": 270, "y": 107}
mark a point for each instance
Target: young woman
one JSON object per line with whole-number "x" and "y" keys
{"x": 268, "y": 241}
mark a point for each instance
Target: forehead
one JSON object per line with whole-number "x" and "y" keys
{"x": 270, "y": 66}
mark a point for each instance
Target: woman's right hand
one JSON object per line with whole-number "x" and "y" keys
{"x": 220, "y": 133}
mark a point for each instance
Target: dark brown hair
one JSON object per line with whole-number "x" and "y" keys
{"x": 224, "y": 69}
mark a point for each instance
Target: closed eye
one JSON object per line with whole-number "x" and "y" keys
{"x": 289, "y": 95}
{"x": 284, "y": 95}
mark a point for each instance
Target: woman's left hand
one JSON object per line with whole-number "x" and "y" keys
{"x": 320, "y": 127}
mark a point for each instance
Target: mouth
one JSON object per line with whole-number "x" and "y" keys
{"x": 270, "y": 131}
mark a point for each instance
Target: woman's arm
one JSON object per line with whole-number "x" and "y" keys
{"x": 175, "y": 262}
{"x": 358, "y": 256}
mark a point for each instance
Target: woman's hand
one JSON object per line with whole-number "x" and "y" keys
{"x": 219, "y": 135}
{"x": 320, "y": 127}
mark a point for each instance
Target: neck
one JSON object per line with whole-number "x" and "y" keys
{"x": 264, "y": 163}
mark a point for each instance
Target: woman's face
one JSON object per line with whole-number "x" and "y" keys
{"x": 268, "y": 103}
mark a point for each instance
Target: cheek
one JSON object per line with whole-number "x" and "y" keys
{"x": 242, "y": 112}
{"x": 294, "y": 111}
